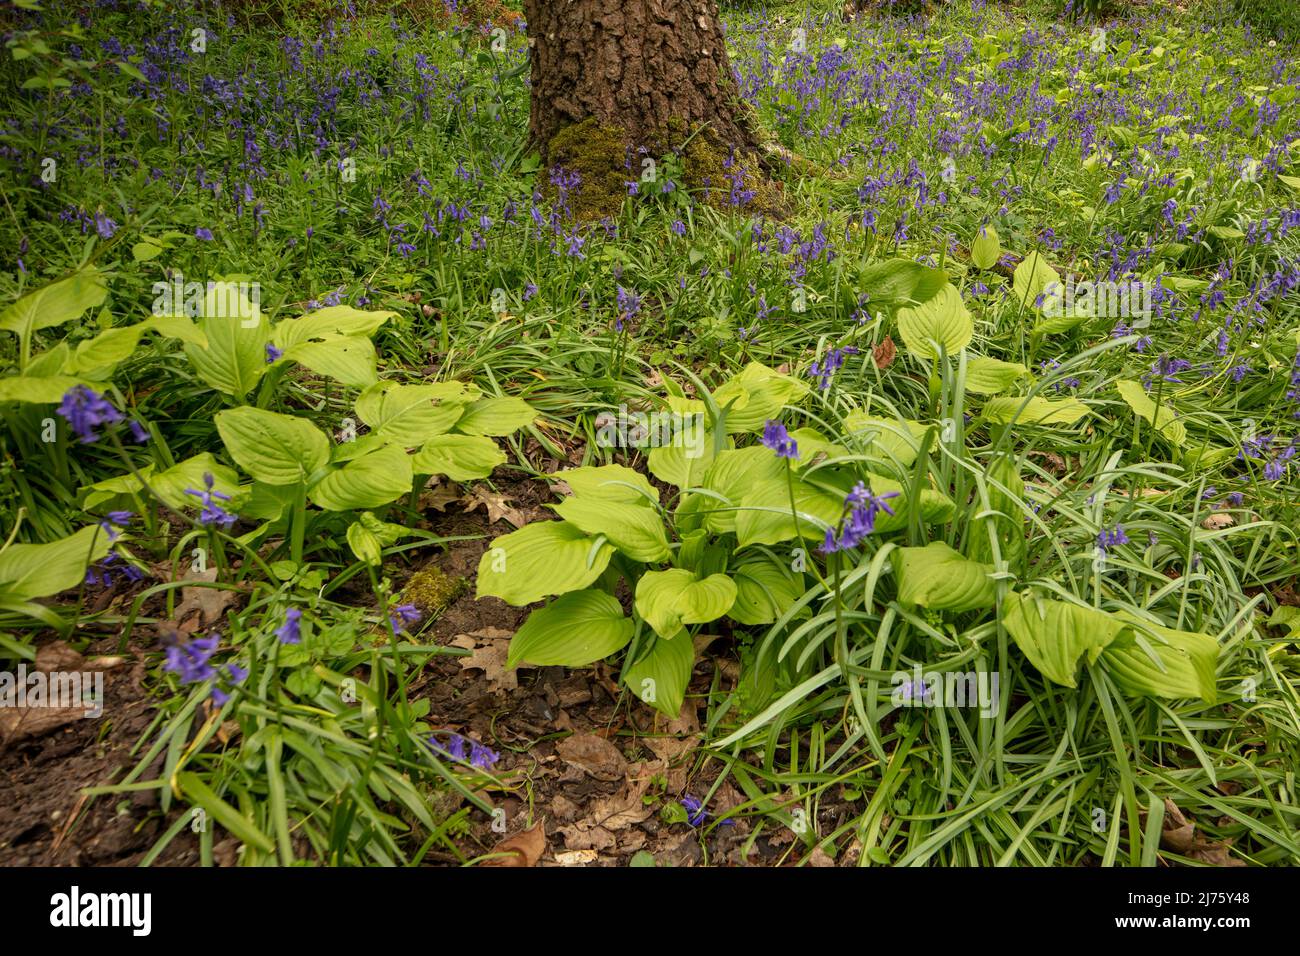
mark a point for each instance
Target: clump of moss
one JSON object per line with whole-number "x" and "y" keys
{"x": 605, "y": 161}
{"x": 432, "y": 590}
{"x": 599, "y": 155}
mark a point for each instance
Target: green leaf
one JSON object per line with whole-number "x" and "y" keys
{"x": 1034, "y": 277}
{"x": 331, "y": 321}
{"x": 765, "y": 516}
{"x": 1008, "y": 521}
{"x": 759, "y": 393}
{"x": 635, "y": 529}
{"x": 573, "y": 630}
{"x": 898, "y": 282}
{"x": 1054, "y": 634}
{"x": 1162, "y": 417}
{"x": 732, "y": 474}
{"x": 1155, "y": 661}
{"x": 939, "y": 578}
{"x": 661, "y": 677}
{"x": 200, "y": 794}
{"x": 990, "y": 376}
{"x": 765, "y": 589}
{"x": 679, "y": 465}
{"x": 370, "y": 481}
{"x": 459, "y": 457}
{"x": 368, "y": 536}
{"x": 891, "y": 441}
{"x": 274, "y": 448}
{"x": 37, "y": 389}
{"x": 55, "y": 304}
{"x": 409, "y": 415}
{"x": 40, "y": 570}
{"x": 986, "y": 249}
{"x": 609, "y": 482}
{"x": 496, "y": 416}
{"x": 1034, "y": 411}
{"x": 670, "y": 599}
{"x": 942, "y": 320}
{"x": 234, "y": 359}
{"x": 350, "y": 359}
{"x": 539, "y": 560}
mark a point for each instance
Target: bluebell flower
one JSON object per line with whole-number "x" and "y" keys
{"x": 85, "y": 410}
{"x": 290, "y": 632}
{"x": 212, "y": 513}
{"x": 778, "y": 439}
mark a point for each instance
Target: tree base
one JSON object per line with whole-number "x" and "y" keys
{"x": 606, "y": 161}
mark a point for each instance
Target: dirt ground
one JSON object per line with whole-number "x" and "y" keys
{"x": 579, "y": 756}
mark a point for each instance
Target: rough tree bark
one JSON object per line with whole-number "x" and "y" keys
{"x": 634, "y": 65}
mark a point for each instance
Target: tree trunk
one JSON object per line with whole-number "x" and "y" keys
{"x": 633, "y": 65}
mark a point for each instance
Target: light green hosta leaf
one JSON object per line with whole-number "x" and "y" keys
{"x": 898, "y": 282}
{"x": 30, "y": 571}
{"x": 939, "y": 578}
{"x": 813, "y": 446}
{"x": 573, "y": 630}
{"x": 1034, "y": 277}
{"x": 679, "y": 465}
{"x": 610, "y": 483}
{"x": 986, "y": 248}
{"x": 459, "y": 457}
{"x": 765, "y": 589}
{"x": 660, "y": 678}
{"x": 943, "y": 320}
{"x": 1054, "y": 635}
{"x": 733, "y": 474}
{"x": 331, "y": 321}
{"x": 1056, "y": 322}
{"x": 1034, "y": 411}
{"x": 55, "y": 304}
{"x": 496, "y": 416}
{"x": 370, "y": 481}
{"x": 1154, "y": 661}
{"x": 1008, "y": 523}
{"x": 1162, "y": 416}
{"x": 990, "y": 376}
{"x": 635, "y": 529}
{"x": 171, "y": 485}
{"x": 409, "y": 415}
{"x": 1287, "y": 617}
{"x": 669, "y": 600}
{"x": 234, "y": 359}
{"x": 274, "y": 448}
{"x": 539, "y": 560}
{"x": 887, "y": 440}
{"x": 765, "y": 517}
{"x": 759, "y": 394}
{"x": 38, "y": 390}
{"x": 350, "y": 359}
{"x": 368, "y": 536}
{"x": 1202, "y": 457}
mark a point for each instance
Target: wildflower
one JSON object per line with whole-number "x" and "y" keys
{"x": 212, "y": 513}
{"x": 272, "y": 353}
{"x": 139, "y": 433}
{"x": 85, "y": 410}
{"x": 113, "y": 524}
{"x": 830, "y": 364}
{"x": 629, "y": 304}
{"x": 696, "y": 814}
{"x": 203, "y": 233}
{"x": 189, "y": 660}
{"x": 778, "y": 439}
{"x": 861, "y": 508}
{"x": 290, "y": 632}
{"x": 482, "y": 756}
{"x": 1109, "y": 539}
{"x": 403, "y": 616}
